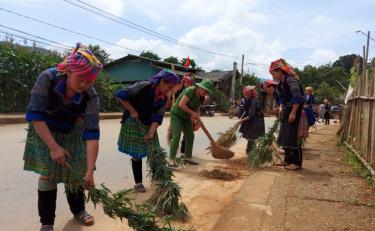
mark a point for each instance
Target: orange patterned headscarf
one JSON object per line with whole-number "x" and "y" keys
{"x": 284, "y": 66}
{"x": 247, "y": 90}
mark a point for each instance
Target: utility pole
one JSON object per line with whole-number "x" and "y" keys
{"x": 233, "y": 85}
{"x": 241, "y": 78}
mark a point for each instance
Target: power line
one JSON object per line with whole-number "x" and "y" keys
{"x": 35, "y": 36}
{"x": 32, "y": 40}
{"x": 68, "y": 30}
{"x": 141, "y": 28}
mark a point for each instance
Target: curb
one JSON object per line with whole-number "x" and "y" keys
{"x": 20, "y": 118}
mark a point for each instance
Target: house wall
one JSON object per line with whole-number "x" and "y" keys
{"x": 225, "y": 86}
{"x": 131, "y": 71}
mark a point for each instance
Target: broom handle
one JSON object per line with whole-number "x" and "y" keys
{"x": 213, "y": 142}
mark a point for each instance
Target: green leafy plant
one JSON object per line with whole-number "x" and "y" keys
{"x": 264, "y": 149}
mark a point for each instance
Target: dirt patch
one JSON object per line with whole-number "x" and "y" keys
{"x": 219, "y": 174}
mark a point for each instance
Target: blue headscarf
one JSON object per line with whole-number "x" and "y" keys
{"x": 167, "y": 75}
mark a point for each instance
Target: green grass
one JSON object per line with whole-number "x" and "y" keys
{"x": 358, "y": 167}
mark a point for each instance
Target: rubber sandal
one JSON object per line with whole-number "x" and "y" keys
{"x": 174, "y": 165}
{"x": 292, "y": 167}
{"x": 140, "y": 188}
{"x": 85, "y": 218}
{"x": 46, "y": 228}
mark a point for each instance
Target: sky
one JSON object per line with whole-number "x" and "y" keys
{"x": 303, "y": 32}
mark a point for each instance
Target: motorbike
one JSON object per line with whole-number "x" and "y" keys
{"x": 208, "y": 109}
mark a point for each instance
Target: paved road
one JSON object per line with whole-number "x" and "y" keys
{"x": 18, "y": 188}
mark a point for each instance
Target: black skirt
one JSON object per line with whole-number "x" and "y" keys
{"x": 253, "y": 128}
{"x": 288, "y": 135}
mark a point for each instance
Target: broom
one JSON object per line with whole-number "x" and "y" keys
{"x": 217, "y": 151}
{"x": 229, "y": 137}
{"x": 264, "y": 149}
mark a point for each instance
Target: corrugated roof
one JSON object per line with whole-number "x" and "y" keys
{"x": 154, "y": 62}
{"x": 215, "y": 76}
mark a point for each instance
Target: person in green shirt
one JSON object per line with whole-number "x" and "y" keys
{"x": 184, "y": 114}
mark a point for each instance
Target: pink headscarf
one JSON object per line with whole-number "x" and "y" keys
{"x": 247, "y": 90}
{"x": 81, "y": 62}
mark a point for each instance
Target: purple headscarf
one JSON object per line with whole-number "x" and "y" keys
{"x": 167, "y": 75}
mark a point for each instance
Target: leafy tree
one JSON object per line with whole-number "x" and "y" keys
{"x": 150, "y": 55}
{"x": 248, "y": 79}
{"x": 345, "y": 61}
{"x": 325, "y": 91}
{"x": 171, "y": 59}
{"x": 100, "y": 53}
{"x": 19, "y": 68}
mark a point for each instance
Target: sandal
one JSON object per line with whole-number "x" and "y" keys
{"x": 174, "y": 165}
{"x": 191, "y": 162}
{"x": 46, "y": 228}
{"x": 85, "y": 218}
{"x": 139, "y": 188}
{"x": 292, "y": 167}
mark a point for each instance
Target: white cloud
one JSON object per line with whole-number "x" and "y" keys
{"x": 322, "y": 56}
{"x": 223, "y": 37}
{"x": 319, "y": 20}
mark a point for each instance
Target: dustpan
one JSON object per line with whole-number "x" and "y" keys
{"x": 217, "y": 151}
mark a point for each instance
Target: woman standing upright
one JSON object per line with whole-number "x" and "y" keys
{"x": 327, "y": 112}
{"x": 291, "y": 97}
{"x": 252, "y": 120}
{"x": 64, "y": 131}
{"x": 144, "y": 107}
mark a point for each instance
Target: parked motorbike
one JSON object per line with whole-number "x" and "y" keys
{"x": 208, "y": 109}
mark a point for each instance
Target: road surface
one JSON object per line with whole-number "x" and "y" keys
{"x": 18, "y": 188}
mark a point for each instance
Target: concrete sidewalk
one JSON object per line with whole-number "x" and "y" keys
{"x": 325, "y": 195}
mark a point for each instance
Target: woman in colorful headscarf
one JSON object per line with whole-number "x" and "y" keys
{"x": 63, "y": 136}
{"x": 184, "y": 114}
{"x": 268, "y": 97}
{"x": 252, "y": 120}
{"x": 144, "y": 107}
{"x": 291, "y": 97}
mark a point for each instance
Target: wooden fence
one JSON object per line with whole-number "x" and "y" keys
{"x": 358, "y": 119}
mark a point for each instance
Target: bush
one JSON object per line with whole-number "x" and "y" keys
{"x": 19, "y": 69}
{"x": 222, "y": 101}
{"x": 106, "y": 90}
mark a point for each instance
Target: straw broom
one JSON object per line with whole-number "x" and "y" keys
{"x": 229, "y": 137}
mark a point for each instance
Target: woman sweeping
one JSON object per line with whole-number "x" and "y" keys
{"x": 64, "y": 132}
{"x": 144, "y": 107}
{"x": 252, "y": 120}
{"x": 291, "y": 97}
{"x": 184, "y": 114}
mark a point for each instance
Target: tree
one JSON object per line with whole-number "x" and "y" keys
{"x": 345, "y": 61}
{"x": 150, "y": 55}
{"x": 325, "y": 91}
{"x": 171, "y": 59}
{"x": 100, "y": 53}
{"x": 248, "y": 79}
{"x": 192, "y": 62}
